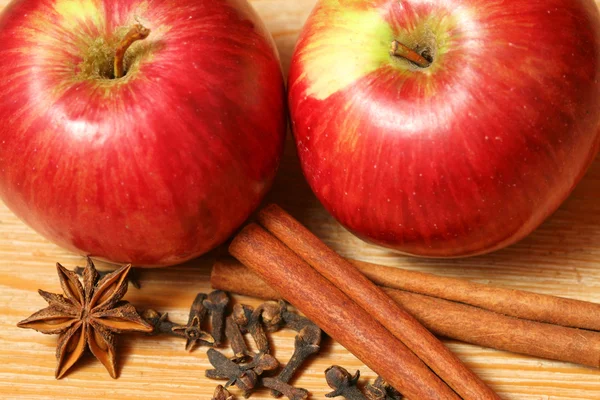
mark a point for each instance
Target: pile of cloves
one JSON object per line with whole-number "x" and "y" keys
{"x": 246, "y": 368}
{"x": 344, "y": 384}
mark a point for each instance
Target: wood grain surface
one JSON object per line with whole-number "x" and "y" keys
{"x": 561, "y": 258}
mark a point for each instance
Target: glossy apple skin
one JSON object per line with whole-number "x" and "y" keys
{"x": 155, "y": 168}
{"x": 462, "y": 158}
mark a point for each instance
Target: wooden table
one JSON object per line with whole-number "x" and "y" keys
{"x": 561, "y": 258}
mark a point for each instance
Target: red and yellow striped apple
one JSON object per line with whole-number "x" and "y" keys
{"x": 157, "y": 166}
{"x": 467, "y": 149}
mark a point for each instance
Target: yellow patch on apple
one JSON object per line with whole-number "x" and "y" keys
{"x": 347, "y": 46}
{"x": 76, "y": 11}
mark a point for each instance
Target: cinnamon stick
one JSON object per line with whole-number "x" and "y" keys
{"x": 337, "y": 314}
{"x": 516, "y": 303}
{"x": 376, "y": 302}
{"x": 450, "y": 319}
{"x": 230, "y": 275}
{"x": 489, "y": 329}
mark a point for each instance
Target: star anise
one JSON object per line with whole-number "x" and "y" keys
{"x": 87, "y": 316}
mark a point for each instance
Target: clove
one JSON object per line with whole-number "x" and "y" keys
{"x": 272, "y": 315}
{"x": 275, "y": 315}
{"x": 286, "y": 318}
{"x": 221, "y": 394}
{"x": 287, "y": 390}
{"x": 161, "y": 323}
{"x": 216, "y": 304}
{"x": 245, "y": 380}
{"x": 236, "y": 340}
{"x": 261, "y": 363}
{"x": 192, "y": 331}
{"x": 307, "y": 343}
{"x": 381, "y": 390}
{"x": 249, "y": 321}
{"x": 343, "y": 384}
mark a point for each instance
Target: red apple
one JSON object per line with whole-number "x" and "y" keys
{"x": 460, "y": 156}
{"x": 153, "y": 168}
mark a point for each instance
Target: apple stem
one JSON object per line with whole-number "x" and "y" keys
{"x": 137, "y": 32}
{"x": 400, "y": 50}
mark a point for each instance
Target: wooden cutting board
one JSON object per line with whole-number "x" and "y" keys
{"x": 561, "y": 258}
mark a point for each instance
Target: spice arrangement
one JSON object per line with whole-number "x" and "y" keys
{"x": 88, "y": 316}
{"x": 148, "y": 134}
{"x": 282, "y": 250}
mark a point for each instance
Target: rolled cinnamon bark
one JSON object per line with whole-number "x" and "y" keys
{"x": 337, "y": 314}
{"x": 489, "y": 329}
{"x": 450, "y": 319}
{"x": 230, "y": 275}
{"x": 376, "y": 302}
{"x": 517, "y": 303}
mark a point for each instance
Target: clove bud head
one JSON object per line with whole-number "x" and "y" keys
{"x": 272, "y": 315}
{"x": 221, "y": 394}
{"x": 247, "y": 381}
{"x": 337, "y": 377}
